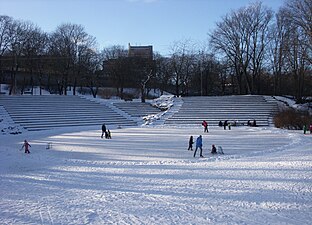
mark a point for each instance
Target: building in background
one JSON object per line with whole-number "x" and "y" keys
{"x": 144, "y": 52}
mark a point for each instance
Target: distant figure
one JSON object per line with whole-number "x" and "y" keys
{"x": 220, "y": 150}
{"x": 225, "y": 124}
{"x": 310, "y": 128}
{"x": 248, "y": 123}
{"x": 191, "y": 142}
{"x": 229, "y": 125}
{"x": 26, "y": 145}
{"x": 254, "y": 123}
{"x": 305, "y": 129}
{"x": 103, "y": 130}
{"x": 205, "y": 124}
{"x": 220, "y": 123}
{"x": 213, "y": 149}
{"x": 199, "y": 144}
{"x": 109, "y": 136}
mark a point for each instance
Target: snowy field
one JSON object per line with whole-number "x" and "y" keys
{"x": 145, "y": 175}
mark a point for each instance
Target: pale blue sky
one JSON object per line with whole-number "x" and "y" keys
{"x": 140, "y": 22}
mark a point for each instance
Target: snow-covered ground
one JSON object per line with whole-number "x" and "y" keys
{"x": 146, "y": 175}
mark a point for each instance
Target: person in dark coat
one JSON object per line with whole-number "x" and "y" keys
{"x": 225, "y": 124}
{"x": 103, "y": 130}
{"x": 191, "y": 142}
{"x": 305, "y": 129}
{"x": 213, "y": 149}
{"x": 254, "y": 123}
{"x": 26, "y": 145}
{"x": 199, "y": 144}
{"x": 220, "y": 123}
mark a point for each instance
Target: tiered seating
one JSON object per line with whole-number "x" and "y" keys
{"x": 137, "y": 109}
{"x": 52, "y": 111}
{"x": 233, "y": 108}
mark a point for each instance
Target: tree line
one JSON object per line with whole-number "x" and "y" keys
{"x": 252, "y": 50}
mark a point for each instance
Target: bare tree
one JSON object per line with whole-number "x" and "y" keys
{"x": 6, "y": 24}
{"x": 33, "y": 52}
{"x": 68, "y": 44}
{"x": 277, "y": 47}
{"x": 241, "y": 38}
{"x": 163, "y": 72}
{"x": 260, "y": 17}
{"x": 114, "y": 52}
{"x": 208, "y": 72}
{"x": 92, "y": 73}
{"x": 142, "y": 70}
{"x": 181, "y": 61}
{"x": 299, "y": 12}
{"x": 299, "y": 49}
{"x": 20, "y": 35}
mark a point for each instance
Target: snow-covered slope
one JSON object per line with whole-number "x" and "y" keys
{"x": 146, "y": 176}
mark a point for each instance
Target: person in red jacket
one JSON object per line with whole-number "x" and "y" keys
{"x": 26, "y": 145}
{"x": 205, "y": 124}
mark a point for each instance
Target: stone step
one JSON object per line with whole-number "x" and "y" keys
{"x": 38, "y": 113}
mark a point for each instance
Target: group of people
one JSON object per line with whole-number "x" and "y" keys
{"x": 225, "y": 124}
{"x": 252, "y": 124}
{"x": 199, "y": 145}
{"x": 305, "y": 128}
{"x": 105, "y": 132}
{"x": 199, "y": 141}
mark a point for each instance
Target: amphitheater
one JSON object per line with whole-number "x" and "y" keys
{"x": 36, "y": 113}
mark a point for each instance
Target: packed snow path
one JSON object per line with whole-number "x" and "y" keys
{"x": 147, "y": 176}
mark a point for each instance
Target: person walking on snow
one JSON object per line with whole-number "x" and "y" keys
{"x": 191, "y": 142}
{"x": 205, "y": 124}
{"x": 103, "y": 130}
{"x": 26, "y": 145}
{"x": 199, "y": 144}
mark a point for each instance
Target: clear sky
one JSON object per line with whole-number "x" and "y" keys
{"x": 140, "y": 22}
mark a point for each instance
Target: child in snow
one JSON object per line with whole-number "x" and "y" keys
{"x": 191, "y": 142}
{"x": 26, "y": 145}
{"x": 213, "y": 149}
{"x": 109, "y": 136}
{"x": 205, "y": 125}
